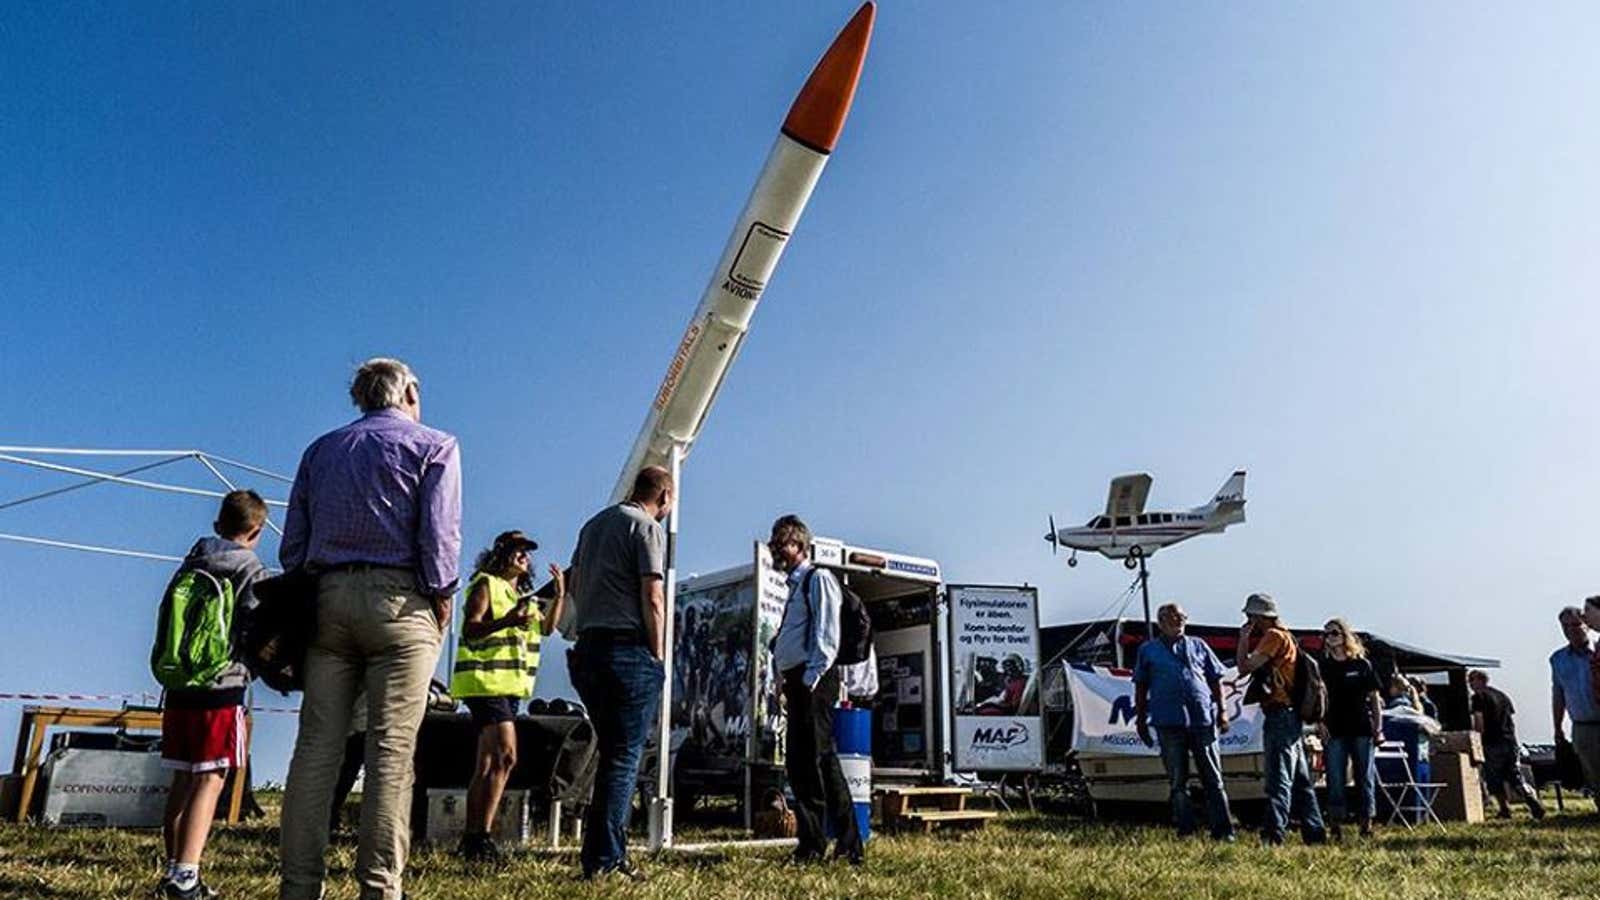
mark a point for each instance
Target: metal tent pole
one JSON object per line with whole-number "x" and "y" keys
{"x": 90, "y": 483}
{"x": 232, "y": 487}
{"x": 661, "y": 809}
{"x": 1144, "y": 585}
{"x": 117, "y": 479}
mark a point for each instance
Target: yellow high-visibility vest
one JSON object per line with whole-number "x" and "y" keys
{"x": 502, "y": 664}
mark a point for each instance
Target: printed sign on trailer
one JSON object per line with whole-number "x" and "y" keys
{"x": 994, "y": 645}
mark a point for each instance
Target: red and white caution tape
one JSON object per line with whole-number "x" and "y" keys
{"x": 25, "y": 696}
{"x": 145, "y": 698}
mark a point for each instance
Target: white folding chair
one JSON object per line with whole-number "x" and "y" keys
{"x": 1410, "y": 800}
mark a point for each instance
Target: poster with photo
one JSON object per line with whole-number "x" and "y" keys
{"x": 772, "y": 592}
{"x": 994, "y": 645}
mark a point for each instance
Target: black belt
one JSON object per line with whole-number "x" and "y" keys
{"x": 363, "y": 567}
{"x": 614, "y": 637}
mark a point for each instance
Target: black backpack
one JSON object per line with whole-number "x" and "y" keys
{"x": 1309, "y": 695}
{"x": 855, "y": 626}
{"x": 280, "y": 629}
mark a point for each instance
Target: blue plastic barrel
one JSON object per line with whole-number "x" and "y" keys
{"x": 852, "y": 738}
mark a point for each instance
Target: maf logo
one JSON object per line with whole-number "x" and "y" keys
{"x": 1000, "y": 737}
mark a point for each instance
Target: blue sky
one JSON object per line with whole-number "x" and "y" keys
{"x": 1350, "y": 250}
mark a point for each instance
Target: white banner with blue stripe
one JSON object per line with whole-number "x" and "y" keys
{"x": 1102, "y": 714}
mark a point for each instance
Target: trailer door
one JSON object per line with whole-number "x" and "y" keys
{"x": 995, "y": 720}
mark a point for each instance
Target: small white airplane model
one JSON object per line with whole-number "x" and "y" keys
{"x": 1128, "y": 533}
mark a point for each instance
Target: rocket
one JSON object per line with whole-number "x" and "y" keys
{"x": 722, "y": 320}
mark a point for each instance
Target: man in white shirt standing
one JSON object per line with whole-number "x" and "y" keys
{"x": 804, "y": 653}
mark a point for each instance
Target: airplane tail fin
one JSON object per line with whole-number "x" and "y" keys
{"x": 1231, "y": 492}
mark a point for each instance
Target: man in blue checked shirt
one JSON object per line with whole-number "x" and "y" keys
{"x": 1177, "y": 684}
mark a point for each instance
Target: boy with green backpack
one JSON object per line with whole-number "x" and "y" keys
{"x": 195, "y": 659}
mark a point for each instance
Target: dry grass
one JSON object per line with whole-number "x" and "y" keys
{"x": 1018, "y": 856}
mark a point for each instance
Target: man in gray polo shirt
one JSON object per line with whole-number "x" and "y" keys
{"x": 617, "y": 587}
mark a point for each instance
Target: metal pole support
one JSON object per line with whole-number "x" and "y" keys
{"x": 661, "y": 807}
{"x": 1144, "y": 585}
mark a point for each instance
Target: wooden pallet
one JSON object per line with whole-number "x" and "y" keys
{"x": 924, "y": 807}
{"x": 926, "y": 819}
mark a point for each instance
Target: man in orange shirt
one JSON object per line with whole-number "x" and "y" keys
{"x": 1267, "y": 651}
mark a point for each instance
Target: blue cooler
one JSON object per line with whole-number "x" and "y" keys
{"x": 852, "y": 737}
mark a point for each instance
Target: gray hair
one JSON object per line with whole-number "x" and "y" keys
{"x": 1163, "y": 608}
{"x": 381, "y": 383}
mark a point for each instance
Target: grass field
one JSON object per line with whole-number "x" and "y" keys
{"x": 1019, "y": 856}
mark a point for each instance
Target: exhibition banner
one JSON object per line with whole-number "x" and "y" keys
{"x": 994, "y": 645}
{"x": 1103, "y": 714}
{"x": 772, "y": 593}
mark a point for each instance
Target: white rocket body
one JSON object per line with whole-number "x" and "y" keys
{"x": 722, "y": 320}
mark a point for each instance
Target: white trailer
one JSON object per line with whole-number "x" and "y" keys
{"x": 727, "y": 725}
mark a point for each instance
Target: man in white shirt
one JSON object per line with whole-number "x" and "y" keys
{"x": 803, "y": 653}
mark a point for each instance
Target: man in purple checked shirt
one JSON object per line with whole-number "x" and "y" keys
{"x": 375, "y": 512}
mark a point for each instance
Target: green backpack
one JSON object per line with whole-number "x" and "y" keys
{"x": 194, "y": 632}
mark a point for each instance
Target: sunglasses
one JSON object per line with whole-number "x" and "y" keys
{"x": 1332, "y": 632}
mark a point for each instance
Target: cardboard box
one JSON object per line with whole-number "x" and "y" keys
{"x": 1468, "y": 742}
{"x": 1461, "y": 799}
{"x": 447, "y": 817}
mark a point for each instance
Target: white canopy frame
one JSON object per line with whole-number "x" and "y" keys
{"x": 26, "y": 456}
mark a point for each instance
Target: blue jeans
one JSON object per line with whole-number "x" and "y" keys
{"x": 1178, "y": 744}
{"x": 1350, "y": 755}
{"x": 1289, "y": 789}
{"x": 620, "y": 685}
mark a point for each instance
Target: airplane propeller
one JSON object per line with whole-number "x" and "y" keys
{"x": 1051, "y": 537}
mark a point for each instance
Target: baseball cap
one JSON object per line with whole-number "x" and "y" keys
{"x": 510, "y": 541}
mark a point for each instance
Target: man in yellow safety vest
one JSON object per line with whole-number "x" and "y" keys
{"x": 495, "y": 665}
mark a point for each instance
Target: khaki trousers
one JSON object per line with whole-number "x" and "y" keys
{"x": 374, "y": 632}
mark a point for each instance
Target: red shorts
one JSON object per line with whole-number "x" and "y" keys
{"x": 203, "y": 740}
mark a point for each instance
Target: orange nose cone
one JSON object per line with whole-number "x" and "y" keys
{"x": 818, "y": 114}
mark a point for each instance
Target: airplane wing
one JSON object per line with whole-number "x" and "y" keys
{"x": 1127, "y": 496}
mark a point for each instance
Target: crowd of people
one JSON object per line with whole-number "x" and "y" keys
{"x": 374, "y": 515}
{"x": 1179, "y": 707}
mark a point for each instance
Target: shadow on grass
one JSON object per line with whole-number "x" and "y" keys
{"x": 268, "y": 837}
{"x": 705, "y": 860}
{"x": 1025, "y": 823}
{"x": 1567, "y": 822}
{"x": 73, "y": 855}
{"x": 17, "y": 887}
{"x": 1407, "y": 842}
